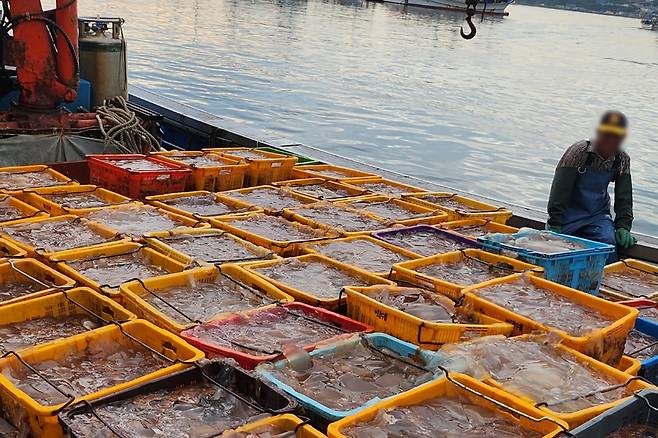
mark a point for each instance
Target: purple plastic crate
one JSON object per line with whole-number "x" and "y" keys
{"x": 447, "y": 241}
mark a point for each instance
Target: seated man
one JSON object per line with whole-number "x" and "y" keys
{"x": 579, "y": 203}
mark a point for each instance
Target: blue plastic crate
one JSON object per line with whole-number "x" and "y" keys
{"x": 450, "y": 236}
{"x": 636, "y": 410}
{"x": 649, "y": 369}
{"x": 377, "y": 340}
{"x": 581, "y": 269}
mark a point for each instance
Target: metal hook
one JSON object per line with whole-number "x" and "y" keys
{"x": 471, "y": 35}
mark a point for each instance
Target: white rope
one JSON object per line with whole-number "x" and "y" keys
{"x": 125, "y": 132}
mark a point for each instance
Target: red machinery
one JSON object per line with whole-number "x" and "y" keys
{"x": 44, "y": 50}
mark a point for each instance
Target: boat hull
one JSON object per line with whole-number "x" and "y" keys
{"x": 454, "y": 5}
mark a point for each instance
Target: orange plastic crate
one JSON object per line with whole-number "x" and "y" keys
{"x": 62, "y": 261}
{"x": 512, "y": 408}
{"x": 474, "y": 228}
{"x": 16, "y": 187}
{"x": 233, "y": 198}
{"x": 469, "y": 208}
{"x": 408, "y": 272}
{"x": 605, "y": 344}
{"x": 330, "y": 172}
{"x": 381, "y": 186}
{"x": 137, "y": 184}
{"x": 168, "y": 202}
{"x": 429, "y": 335}
{"x": 264, "y": 167}
{"x": 103, "y": 235}
{"x": 22, "y": 212}
{"x": 334, "y": 189}
{"x": 19, "y": 407}
{"x": 417, "y": 214}
{"x": 310, "y": 296}
{"x": 578, "y": 417}
{"x": 225, "y": 174}
{"x": 34, "y": 277}
{"x": 282, "y": 247}
{"x": 43, "y": 199}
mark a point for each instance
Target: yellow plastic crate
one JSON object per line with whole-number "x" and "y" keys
{"x": 13, "y": 189}
{"x": 576, "y": 418}
{"x": 132, "y": 292}
{"x": 8, "y": 249}
{"x": 373, "y": 185}
{"x": 296, "y": 185}
{"x": 80, "y": 301}
{"x": 485, "y": 211}
{"x": 241, "y": 204}
{"x": 605, "y": 345}
{"x": 227, "y": 174}
{"x": 41, "y": 198}
{"x": 282, "y": 423}
{"x": 42, "y": 419}
{"x": 309, "y": 297}
{"x": 282, "y": 247}
{"x": 316, "y": 248}
{"x": 158, "y": 241}
{"x": 297, "y": 215}
{"x": 63, "y": 260}
{"x": 417, "y": 214}
{"x": 627, "y": 265}
{"x": 180, "y": 220}
{"x": 407, "y": 272}
{"x": 25, "y": 212}
{"x": 629, "y": 365}
{"x": 330, "y": 172}
{"x": 102, "y": 231}
{"x": 468, "y": 227}
{"x": 32, "y": 273}
{"x": 474, "y": 391}
{"x": 160, "y": 201}
{"x": 426, "y": 334}
{"x": 268, "y": 168}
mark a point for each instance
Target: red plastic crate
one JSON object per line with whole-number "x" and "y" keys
{"x": 136, "y": 184}
{"x": 250, "y": 361}
{"x": 640, "y": 303}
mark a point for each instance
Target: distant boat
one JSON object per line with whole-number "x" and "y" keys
{"x": 650, "y": 20}
{"x": 496, "y": 7}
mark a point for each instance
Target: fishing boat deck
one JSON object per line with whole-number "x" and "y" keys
{"x": 194, "y": 128}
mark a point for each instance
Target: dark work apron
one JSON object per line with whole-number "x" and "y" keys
{"x": 590, "y": 201}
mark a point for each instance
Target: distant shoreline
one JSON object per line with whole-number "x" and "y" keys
{"x": 634, "y": 9}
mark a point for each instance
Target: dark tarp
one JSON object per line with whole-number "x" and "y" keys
{"x": 21, "y": 150}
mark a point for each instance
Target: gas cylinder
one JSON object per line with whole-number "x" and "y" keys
{"x": 103, "y": 57}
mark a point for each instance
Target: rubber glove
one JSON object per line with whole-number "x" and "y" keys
{"x": 624, "y": 238}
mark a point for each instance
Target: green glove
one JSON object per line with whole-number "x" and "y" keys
{"x": 624, "y": 238}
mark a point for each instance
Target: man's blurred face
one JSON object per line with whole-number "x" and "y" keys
{"x": 608, "y": 144}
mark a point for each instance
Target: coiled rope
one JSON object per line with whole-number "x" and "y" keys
{"x": 125, "y": 132}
